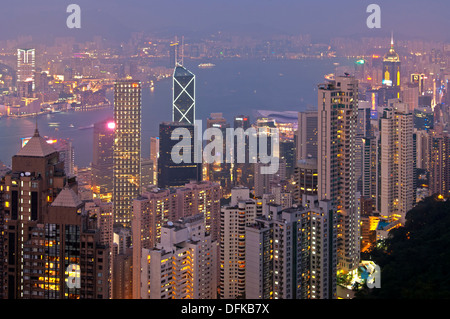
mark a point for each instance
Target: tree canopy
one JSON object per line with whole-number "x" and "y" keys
{"x": 415, "y": 259}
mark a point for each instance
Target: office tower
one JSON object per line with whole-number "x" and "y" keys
{"x": 127, "y": 149}
{"x": 392, "y": 68}
{"x": 103, "y": 160}
{"x": 154, "y": 155}
{"x": 219, "y": 171}
{"x": 26, "y": 66}
{"x": 201, "y": 198}
{"x": 397, "y": 162}
{"x": 183, "y": 108}
{"x": 233, "y": 218}
{"x": 242, "y": 173}
{"x": 305, "y": 179}
{"x": 171, "y": 174}
{"x": 291, "y": 253}
{"x": 183, "y": 265}
{"x": 307, "y": 135}
{"x": 146, "y": 172}
{"x": 439, "y": 163}
{"x": 337, "y": 122}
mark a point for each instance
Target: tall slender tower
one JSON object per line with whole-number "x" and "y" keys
{"x": 183, "y": 108}
{"x": 392, "y": 72}
{"x": 337, "y": 122}
{"x": 397, "y": 162}
{"x": 127, "y": 149}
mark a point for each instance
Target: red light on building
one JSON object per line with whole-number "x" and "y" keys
{"x": 111, "y": 125}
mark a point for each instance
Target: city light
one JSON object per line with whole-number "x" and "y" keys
{"x": 111, "y": 125}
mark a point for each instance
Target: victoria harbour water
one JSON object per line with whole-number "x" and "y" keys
{"x": 232, "y": 87}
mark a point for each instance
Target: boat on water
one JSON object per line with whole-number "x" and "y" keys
{"x": 206, "y": 65}
{"x": 86, "y": 127}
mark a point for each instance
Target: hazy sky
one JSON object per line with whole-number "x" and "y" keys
{"x": 320, "y": 18}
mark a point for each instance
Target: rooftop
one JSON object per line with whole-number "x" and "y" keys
{"x": 37, "y": 146}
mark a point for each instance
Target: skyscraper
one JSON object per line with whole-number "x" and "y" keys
{"x": 127, "y": 148}
{"x": 233, "y": 219}
{"x": 219, "y": 171}
{"x": 392, "y": 73}
{"x": 53, "y": 248}
{"x": 103, "y": 160}
{"x": 183, "y": 265}
{"x": 307, "y": 135}
{"x": 439, "y": 163}
{"x": 183, "y": 108}
{"x": 242, "y": 173}
{"x": 291, "y": 253}
{"x": 154, "y": 155}
{"x": 397, "y": 162}
{"x": 337, "y": 121}
{"x": 26, "y": 66}
{"x": 171, "y": 174}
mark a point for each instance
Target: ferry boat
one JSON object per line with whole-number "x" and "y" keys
{"x": 206, "y": 65}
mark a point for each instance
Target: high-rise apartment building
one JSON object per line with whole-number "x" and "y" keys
{"x": 337, "y": 122}
{"x": 291, "y": 253}
{"x": 439, "y": 163}
{"x": 201, "y": 198}
{"x": 52, "y": 247}
{"x": 127, "y": 148}
{"x": 397, "y": 159}
{"x": 305, "y": 179}
{"x": 183, "y": 265}
{"x": 233, "y": 218}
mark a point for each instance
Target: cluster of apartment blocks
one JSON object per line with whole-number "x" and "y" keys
{"x": 263, "y": 251}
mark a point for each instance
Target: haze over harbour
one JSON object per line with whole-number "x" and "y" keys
{"x": 232, "y": 87}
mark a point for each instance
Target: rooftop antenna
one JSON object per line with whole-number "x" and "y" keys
{"x": 182, "y": 50}
{"x": 392, "y": 40}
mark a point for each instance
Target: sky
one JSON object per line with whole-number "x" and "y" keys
{"x": 323, "y": 19}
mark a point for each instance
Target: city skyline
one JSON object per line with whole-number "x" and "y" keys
{"x": 232, "y": 152}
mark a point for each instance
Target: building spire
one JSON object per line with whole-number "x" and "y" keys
{"x": 392, "y": 40}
